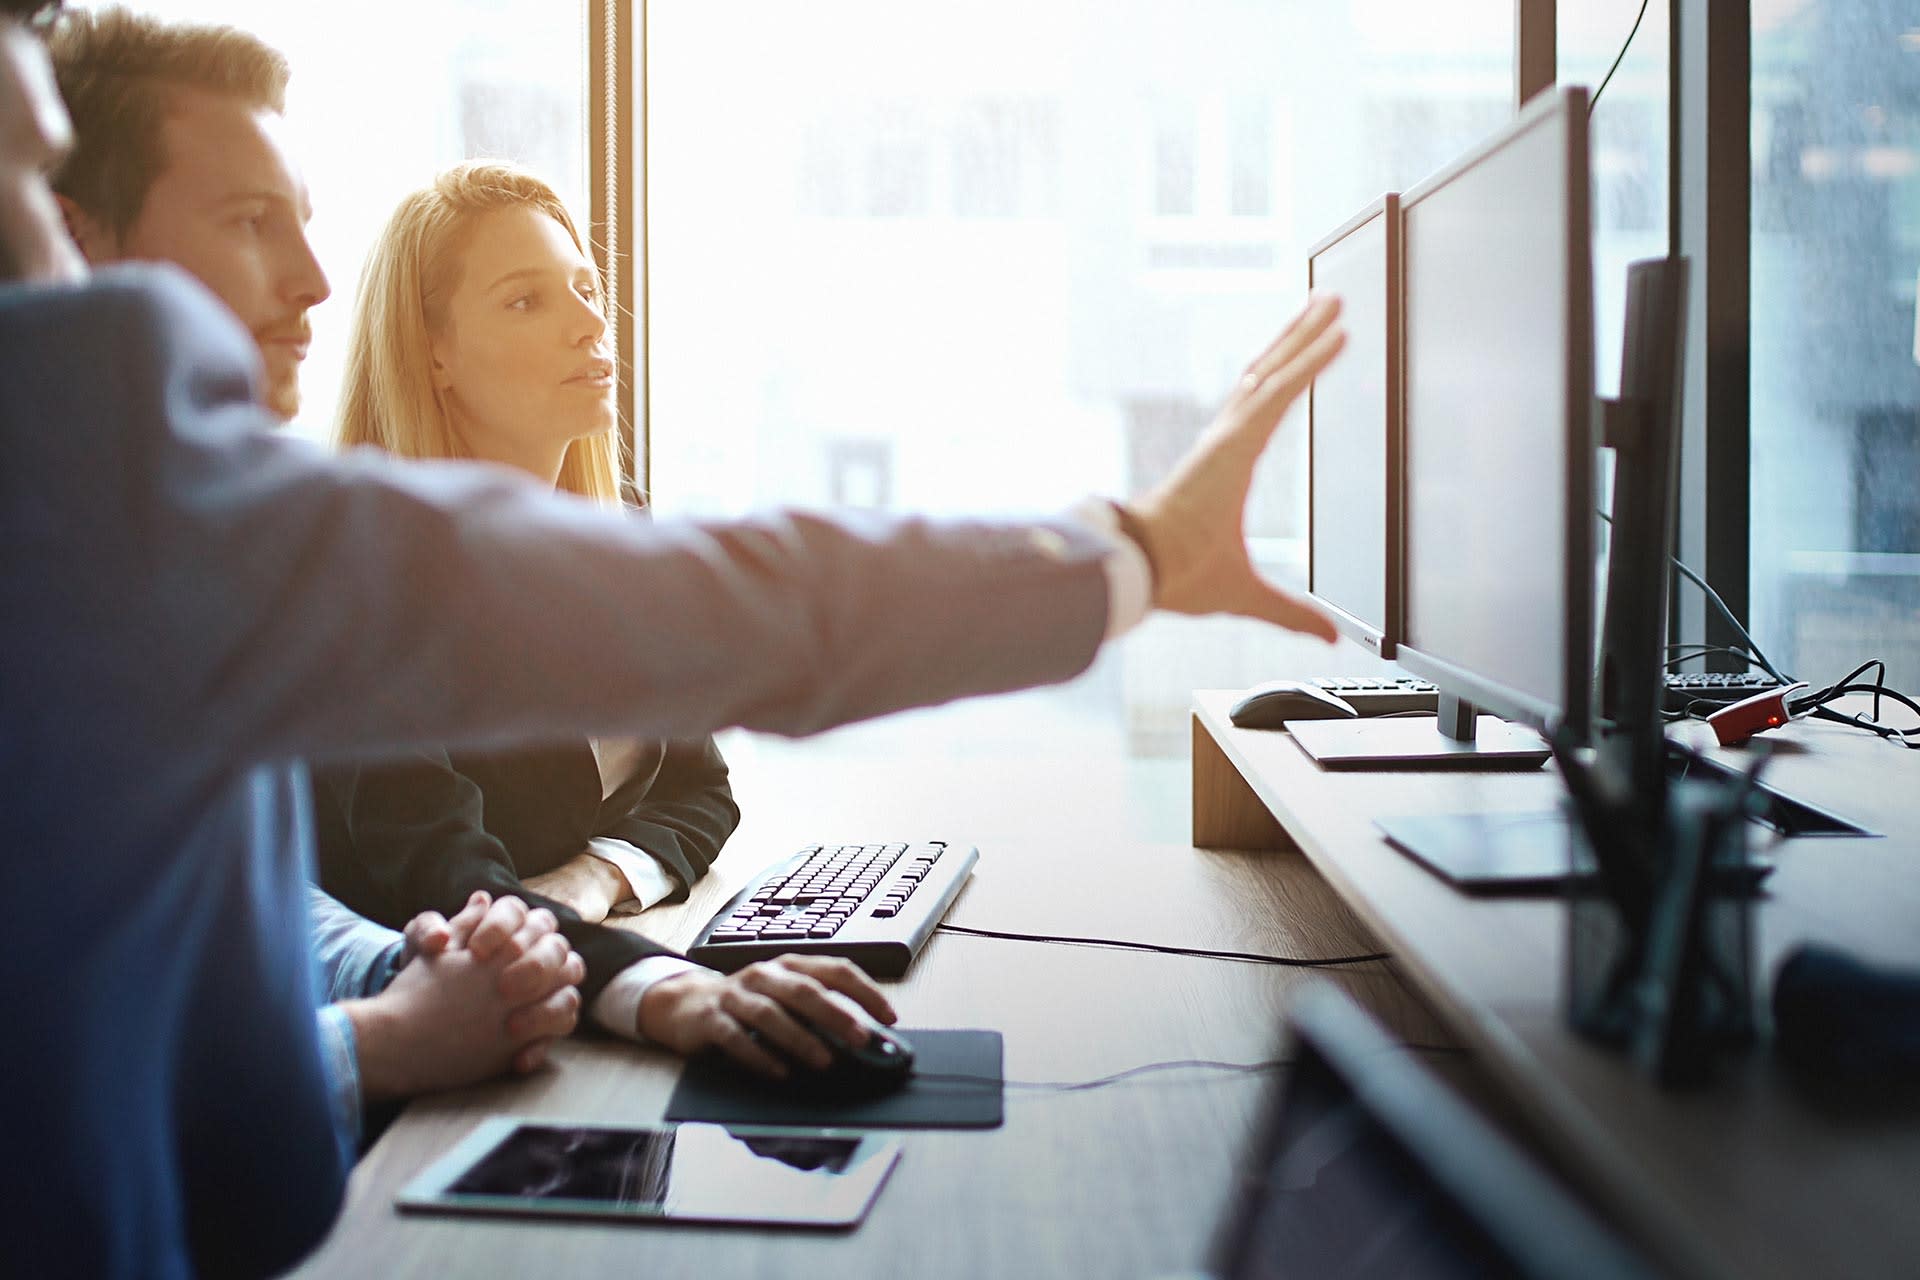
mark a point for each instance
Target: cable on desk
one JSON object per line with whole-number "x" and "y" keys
{"x": 1248, "y": 957}
{"x": 1815, "y": 704}
{"x": 1078, "y": 1086}
{"x": 1183, "y": 1064}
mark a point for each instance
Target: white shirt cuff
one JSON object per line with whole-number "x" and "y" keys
{"x": 648, "y": 881}
{"x": 617, "y": 1008}
{"x": 1129, "y": 576}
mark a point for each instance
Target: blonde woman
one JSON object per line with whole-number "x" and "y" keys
{"x": 479, "y": 334}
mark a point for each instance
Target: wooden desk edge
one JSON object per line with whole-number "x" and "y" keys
{"x": 1223, "y": 809}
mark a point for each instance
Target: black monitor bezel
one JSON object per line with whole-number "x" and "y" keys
{"x": 1567, "y": 106}
{"x": 1384, "y": 638}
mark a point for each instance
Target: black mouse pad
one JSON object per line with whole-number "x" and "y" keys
{"x": 715, "y": 1090}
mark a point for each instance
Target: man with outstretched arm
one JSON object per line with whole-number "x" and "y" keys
{"x": 194, "y": 600}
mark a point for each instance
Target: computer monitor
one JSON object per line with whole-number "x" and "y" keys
{"x": 1369, "y": 1167}
{"x": 1353, "y": 432}
{"x": 1498, "y": 496}
{"x": 1643, "y": 430}
{"x": 1499, "y": 409}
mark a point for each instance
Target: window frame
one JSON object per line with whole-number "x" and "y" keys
{"x": 1710, "y": 195}
{"x": 616, "y": 182}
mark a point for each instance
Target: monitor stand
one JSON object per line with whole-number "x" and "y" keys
{"x": 1457, "y": 738}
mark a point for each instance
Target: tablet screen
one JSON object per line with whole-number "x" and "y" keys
{"x": 690, "y": 1172}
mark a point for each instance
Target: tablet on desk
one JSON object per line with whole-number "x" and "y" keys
{"x": 657, "y": 1173}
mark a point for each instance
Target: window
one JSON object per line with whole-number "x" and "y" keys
{"x": 1835, "y": 531}
{"x": 384, "y": 95}
{"x": 985, "y": 258}
{"x": 1628, "y": 139}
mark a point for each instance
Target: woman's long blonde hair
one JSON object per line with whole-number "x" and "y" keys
{"x": 388, "y": 398}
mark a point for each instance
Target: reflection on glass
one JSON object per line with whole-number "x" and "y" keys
{"x": 619, "y": 1166}
{"x": 700, "y": 1171}
{"x": 1836, "y": 392}
{"x": 1342, "y": 1200}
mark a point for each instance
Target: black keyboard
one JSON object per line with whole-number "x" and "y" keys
{"x": 874, "y": 904}
{"x": 1686, "y": 689}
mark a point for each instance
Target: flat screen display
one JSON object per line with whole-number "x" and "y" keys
{"x": 1497, "y": 405}
{"x": 1350, "y": 429}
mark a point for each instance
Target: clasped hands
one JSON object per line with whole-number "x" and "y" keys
{"x": 482, "y": 993}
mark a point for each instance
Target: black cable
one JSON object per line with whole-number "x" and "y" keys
{"x": 1184, "y": 1064}
{"x": 1714, "y": 596}
{"x": 1871, "y": 723}
{"x": 1697, "y": 650}
{"x": 1815, "y": 703}
{"x": 1905, "y": 737}
{"x": 1250, "y": 957}
{"x": 1594, "y": 101}
{"x": 1879, "y": 691}
{"x": 1820, "y": 697}
{"x": 1698, "y": 709}
{"x": 1076, "y": 1086}
{"x": 1759, "y": 658}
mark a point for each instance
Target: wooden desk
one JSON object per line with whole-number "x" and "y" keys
{"x": 1745, "y": 1179}
{"x": 1125, "y": 1181}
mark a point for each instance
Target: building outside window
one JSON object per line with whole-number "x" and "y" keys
{"x": 1027, "y": 248}
{"x": 1835, "y": 527}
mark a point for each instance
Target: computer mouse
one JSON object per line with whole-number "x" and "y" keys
{"x": 881, "y": 1066}
{"x": 1271, "y": 705}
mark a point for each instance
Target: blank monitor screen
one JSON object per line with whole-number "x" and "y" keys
{"x": 1352, "y": 529}
{"x": 1498, "y": 434}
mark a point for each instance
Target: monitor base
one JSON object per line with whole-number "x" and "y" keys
{"x": 1417, "y": 743}
{"x": 1528, "y": 853}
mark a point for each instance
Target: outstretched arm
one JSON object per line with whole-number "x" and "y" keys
{"x": 361, "y": 606}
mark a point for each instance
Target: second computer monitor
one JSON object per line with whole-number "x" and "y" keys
{"x": 1353, "y": 432}
{"x": 1499, "y": 499}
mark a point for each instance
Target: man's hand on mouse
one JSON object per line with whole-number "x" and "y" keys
{"x": 735, "y": 1012}
{"x": 1192, "y": 525}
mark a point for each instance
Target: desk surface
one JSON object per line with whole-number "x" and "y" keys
{"x": 1124, "y": 1181}
{"x": 1744, "y": 1179}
